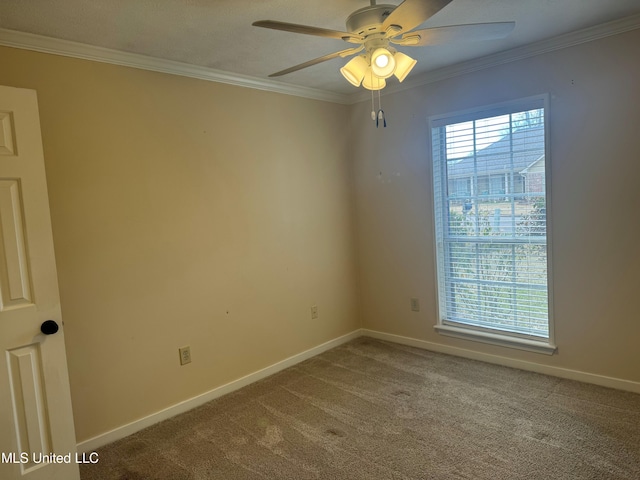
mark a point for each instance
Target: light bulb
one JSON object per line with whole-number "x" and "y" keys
{"x": 382, "y": 63}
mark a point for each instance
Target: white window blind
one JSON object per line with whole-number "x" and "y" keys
{"x": 490, "y": 211}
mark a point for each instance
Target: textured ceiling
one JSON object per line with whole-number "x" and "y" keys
{"x": 218, "y": 33}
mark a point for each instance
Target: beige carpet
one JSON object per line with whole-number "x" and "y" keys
{"x": 376, "y": 410}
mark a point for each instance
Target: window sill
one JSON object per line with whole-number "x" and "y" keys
{"x": 496, "y": 339}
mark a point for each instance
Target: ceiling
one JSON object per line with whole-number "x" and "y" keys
{"x": 218, "y": 34}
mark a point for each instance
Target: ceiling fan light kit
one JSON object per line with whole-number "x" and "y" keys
{"x": 373, "y": 82}
{"x": 355, "y": 70}
{"x": 404, "y": 64}
{"x": 382, "y": 63}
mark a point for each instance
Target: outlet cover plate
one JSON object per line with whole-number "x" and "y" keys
{"x": 415, "y": 304}
{"x": 185, "y": 355}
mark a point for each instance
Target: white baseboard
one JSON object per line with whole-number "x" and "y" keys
{"x": 137, "y": 425}
{"x": 601, "y": 380}
{"x": 133, "y": 427}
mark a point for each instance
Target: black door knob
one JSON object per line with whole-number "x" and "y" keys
{"x": 49, "y": 327}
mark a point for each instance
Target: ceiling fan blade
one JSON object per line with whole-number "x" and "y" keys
{"x": 307, "y": 30}
{"x": 455, "y": 34}
{"x": 343, "y": 53}
{"x": 411, "y": 13}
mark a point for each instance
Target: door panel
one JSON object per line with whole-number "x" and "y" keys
{"x": 14, "y": 275}
{"x": 36, "y": 422}
{"x": 30, "y": 415}
{"x": 6, "y": 134}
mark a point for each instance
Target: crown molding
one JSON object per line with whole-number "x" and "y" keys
{"x": 578, "y": 37}
{"x": 39, "y": 43}
{"x": 55, "y": 46}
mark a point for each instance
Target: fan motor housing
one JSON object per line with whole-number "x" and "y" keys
{"x": 369, "y": 20}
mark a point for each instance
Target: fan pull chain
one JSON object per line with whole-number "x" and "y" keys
{"x": 373, "y": 108}
{"x": 377, "y": 116}
{"x": 380, "y": 116}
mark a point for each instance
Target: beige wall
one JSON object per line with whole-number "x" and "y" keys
{"x": 187, "y": 213}
{"x": 594, "y": 120}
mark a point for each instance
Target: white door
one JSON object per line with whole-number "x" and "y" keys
{"x": 37, "y": 439}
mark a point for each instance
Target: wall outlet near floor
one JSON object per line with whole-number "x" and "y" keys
{"x": 415, "y": 305}
{"x": 314, "y": 312}
{"x": 185, "y": 355}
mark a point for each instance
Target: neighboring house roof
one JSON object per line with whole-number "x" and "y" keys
{"x": 536, "y": 167}
{"x": 526, "y": 143}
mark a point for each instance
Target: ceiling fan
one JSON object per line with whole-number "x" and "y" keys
{"x": 376, "y": 27}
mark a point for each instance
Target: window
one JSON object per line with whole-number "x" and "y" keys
{"x": 491, "y": 227}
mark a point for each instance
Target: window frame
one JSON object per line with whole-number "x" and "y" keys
{"x": 479, "y": 334}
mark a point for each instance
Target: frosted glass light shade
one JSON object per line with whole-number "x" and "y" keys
{"x": 354, "y": 70}
{"x": 373, "y": 82}
{"x": 404, "y": 64}
{"x": 382, "y": 63}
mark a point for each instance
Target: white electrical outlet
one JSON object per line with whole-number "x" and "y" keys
{"x": 314, "y": 312}
{"x": 185, "y": 355}
{"x": 415, "y": 305}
